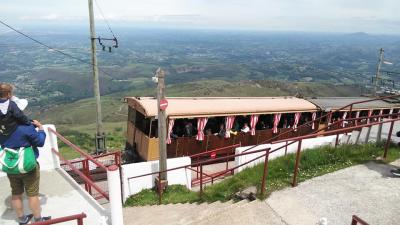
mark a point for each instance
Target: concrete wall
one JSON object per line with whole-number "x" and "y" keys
{"x": 133, "y": 186}
{"x": 47, "y": 160}
{"x": 306, "y": 144}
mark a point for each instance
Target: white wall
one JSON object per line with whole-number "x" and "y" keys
{"x": 47, "y": 160}
{"x": 133, "y": 186}
{"x": 306, "y": 144}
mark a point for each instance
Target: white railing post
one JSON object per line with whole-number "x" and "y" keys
{"x": 114, "y": 189}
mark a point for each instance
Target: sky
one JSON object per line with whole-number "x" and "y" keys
{"x": 371, "y": 16}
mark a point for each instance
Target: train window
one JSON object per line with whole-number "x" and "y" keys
{"x": 131, "y": 115}
{"x": 142, "y": 123}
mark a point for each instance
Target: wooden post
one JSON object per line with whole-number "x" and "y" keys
{"x": 162, "y": 125}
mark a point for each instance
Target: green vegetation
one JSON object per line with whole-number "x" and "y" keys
{"x": 313, "y": 163}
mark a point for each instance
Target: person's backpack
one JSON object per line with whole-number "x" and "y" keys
{"x": 17, "y": 161}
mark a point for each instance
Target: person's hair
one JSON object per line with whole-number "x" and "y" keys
{"x": 5, "y": 90}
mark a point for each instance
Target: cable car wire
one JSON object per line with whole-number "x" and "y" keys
{"x": 51, "y": 48}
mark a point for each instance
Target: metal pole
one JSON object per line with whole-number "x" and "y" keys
{"x": 265, "y": 174}
{"x": 337, "y": 140}
{"x": 388, "y": 140}
{"x": 100, "y": 135}
{"x": 378, "y": 70}
{"x": 201, "y": 181}
{"x": 162, "y": 126}
{"x": 296, "y": 167}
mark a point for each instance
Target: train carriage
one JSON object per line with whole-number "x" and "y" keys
{"x": 266, "y": 117}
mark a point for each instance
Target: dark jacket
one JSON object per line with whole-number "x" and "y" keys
{"x": 13, "y": 117}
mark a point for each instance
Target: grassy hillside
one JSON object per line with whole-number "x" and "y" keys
{"x": 77, "y": 120}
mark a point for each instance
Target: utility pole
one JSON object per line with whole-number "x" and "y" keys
{"x": 162, "y": 127}
{"x": 100, "y": 135}
{"x": 378, "y": 71}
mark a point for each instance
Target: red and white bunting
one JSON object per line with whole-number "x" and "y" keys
{"x": 201, "y": 124}
{"x": 253, "y": 123}
{"x": 390, "y": 113}
{"x": 357, "y": 116}
{"x": 369, "y": 115}
{"x": 277, "y": 118}
{"x": 343, "y": 119}
{"x": 228, "y": 125}
{"x": 381, "y": 113}
{"x": 296, "y": 120}
{"x": 170, "y": 126}
{"x": 313, "y": 117}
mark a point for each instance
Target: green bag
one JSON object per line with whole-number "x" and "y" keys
{"x": 18, "y": 161}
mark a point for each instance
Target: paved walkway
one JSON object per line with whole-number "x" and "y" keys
{"x": 59, "y": 197}
{"x": 369, "y": 191}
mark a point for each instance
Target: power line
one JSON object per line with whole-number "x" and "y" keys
{"x": 102, "y": 14}
{"x": 49, "y": 47}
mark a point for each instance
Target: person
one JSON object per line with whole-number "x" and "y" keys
{"x": 10, "y": 113}
{"x": 26, "y": 136}
{"x": 222, "y": 131}
{"x": 188, "y": 129}
{"x": 245, "y": 128}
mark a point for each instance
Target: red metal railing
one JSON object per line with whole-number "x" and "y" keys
{"x": 357, "y": 220}
{"x": 84, "y": 172}
{"x": 212, "y": 154}
{"x": 78, "y": 217}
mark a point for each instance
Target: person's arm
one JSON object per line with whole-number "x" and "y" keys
{"x": 18, "y": 114}
{"x": 37, "y": 138}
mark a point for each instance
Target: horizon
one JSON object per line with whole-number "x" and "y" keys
{"x": 308, "y": 16}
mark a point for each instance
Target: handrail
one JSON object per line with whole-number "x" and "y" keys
{"x": 81, "y": 175}
{"x": 357, "y": 219}
{"x": 199, "y": 163}
{"x": 76, "y": 148}
{"x": 321, "y": 117}
{"x": 214, "y": 150}
{"x": 78, "y": 217}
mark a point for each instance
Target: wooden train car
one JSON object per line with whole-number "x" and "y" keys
{"x": 198, "y": 124}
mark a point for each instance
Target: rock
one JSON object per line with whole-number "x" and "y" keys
{"x": 248, "y": 193}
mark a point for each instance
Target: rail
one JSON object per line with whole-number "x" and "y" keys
{"x": 213, "y": 154}
{"x": 357, "y": 220}
{"x": 78, "y": 217}
{"x": 84, "y": 172}
{"x": 208, "y": 162}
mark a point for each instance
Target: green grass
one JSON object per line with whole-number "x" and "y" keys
{"x": 313, "y": 163}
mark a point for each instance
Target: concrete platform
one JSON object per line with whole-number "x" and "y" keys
{"x": 60, "y": 196}
{"x": 369, "y": 191}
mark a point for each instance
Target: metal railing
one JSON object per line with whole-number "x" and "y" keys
{"x": 78, "y": 217}
{"x": 355, "y": 220}
{"x": 84, "y": 172}
{"x": 205, "y": 163}
{"x": 212, "y": 154}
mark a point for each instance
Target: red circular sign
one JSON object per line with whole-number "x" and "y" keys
{"x": 163, "y": 104}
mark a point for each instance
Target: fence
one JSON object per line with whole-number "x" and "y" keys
{"x": 114, "y": 193}
{"x": 78, "y": 217}
{"x": 357, "y": 220}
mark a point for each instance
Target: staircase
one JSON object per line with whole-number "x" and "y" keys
{"x": 243, "y": 212}
{"x": 370, "y": 134}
